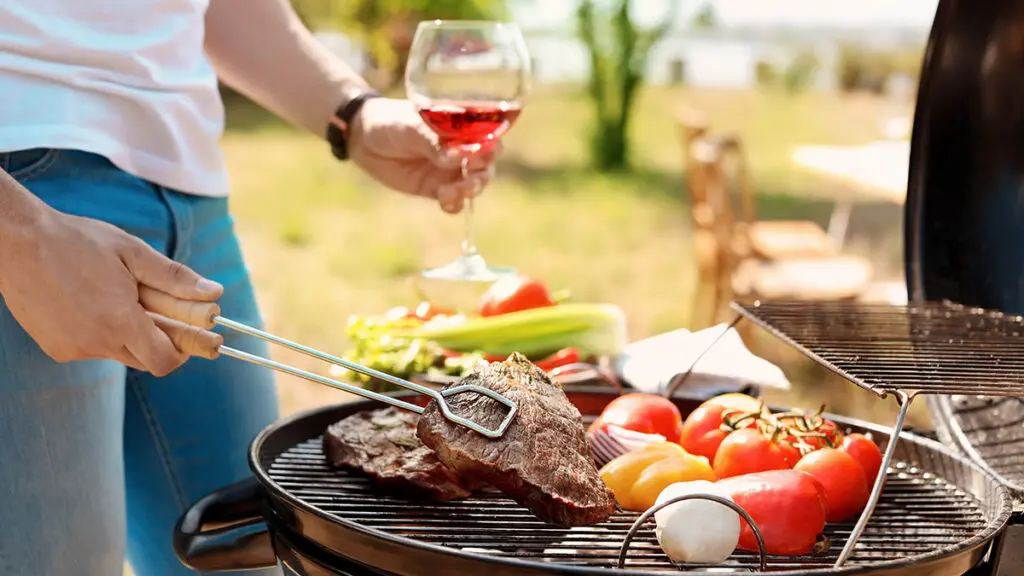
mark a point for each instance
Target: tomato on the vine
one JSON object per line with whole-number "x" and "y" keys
{"x": 864, "y": 450}
{"x": 702, "y": 431}
{"x": 706, "y": 427}
{"x": 813, "y": 432}
{"x": 747, "y": 451}
{"x": 846, "y": 489}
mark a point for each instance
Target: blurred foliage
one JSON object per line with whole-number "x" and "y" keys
{"x": 864, "y": 69}
{"x": 386, "y": 27}
{"x": 800, "y": 73}
{"x": 767, "y": 74}
{"x": 618, "y": 51}
{"x": 706, "y": 18}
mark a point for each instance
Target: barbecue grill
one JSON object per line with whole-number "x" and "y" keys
{"x": 949, "y": 507}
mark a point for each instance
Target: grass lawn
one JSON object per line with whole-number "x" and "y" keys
{"x": 323, "y": 241}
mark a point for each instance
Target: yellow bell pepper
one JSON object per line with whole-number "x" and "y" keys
{"x": 637, "y": 489}
{"x": 661, "y": 474}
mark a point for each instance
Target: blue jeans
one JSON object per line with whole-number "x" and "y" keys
{"x": 96, "y": 459}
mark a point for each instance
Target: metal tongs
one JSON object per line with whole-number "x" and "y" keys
{"x": 195, "y": 339}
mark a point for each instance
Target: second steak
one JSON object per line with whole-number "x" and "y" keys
{"x": 542, "y": 461}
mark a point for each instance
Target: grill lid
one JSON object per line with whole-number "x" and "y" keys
{"x": 964, "y": 217}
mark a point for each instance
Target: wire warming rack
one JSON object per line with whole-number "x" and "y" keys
{"x": 902, "y": 351}
{"x": 926, "y": 348}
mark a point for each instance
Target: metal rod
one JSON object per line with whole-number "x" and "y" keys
{"x": 439, "y": 397}
{"x": 675, "y": 383}
{"x": 326, "y": 357}
{"x": 762, "y": 550}
{"x": 876, "y": 492}
{"x": 267, "y": 363}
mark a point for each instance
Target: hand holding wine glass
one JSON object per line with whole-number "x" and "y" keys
{"x": 469, "y": 80}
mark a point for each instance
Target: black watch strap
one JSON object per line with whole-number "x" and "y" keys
{"x": 337, "y": 129}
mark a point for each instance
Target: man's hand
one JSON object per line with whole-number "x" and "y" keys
{"x": 390, "y": 142}
{"x": 73, "y": 285}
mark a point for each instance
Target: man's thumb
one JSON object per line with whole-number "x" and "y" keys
{"x": 160, "y": 272}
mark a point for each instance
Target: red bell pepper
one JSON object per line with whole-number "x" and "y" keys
{"x": 646, "y": 413}
{"x": 514, "y": 294}
{"x": 787, "y": 505}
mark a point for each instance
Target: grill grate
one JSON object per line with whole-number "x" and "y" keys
{"x": 921, "y": 512}
{"x": 933, "y": 348}
{"x": 991, "y": 430}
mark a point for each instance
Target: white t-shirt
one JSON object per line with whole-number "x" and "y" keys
{"x": 126, "y": 79}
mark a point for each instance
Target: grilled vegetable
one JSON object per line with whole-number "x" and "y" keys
{"x": 710, "y": 540}
{"x": 846, "y": 489}
{"x": 646, "y": 413}
{"x": 670, "y": 470}
{"x": 514, "y": 294}
{"x": 750, "y": 450}
{"x": 707, "y": 426}
{"x": 787, "y": 505}
{"x": 622, "y": 473}
{"x": 864, "y": 450}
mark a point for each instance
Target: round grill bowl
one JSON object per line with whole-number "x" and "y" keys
{"x": 937, "y": 515}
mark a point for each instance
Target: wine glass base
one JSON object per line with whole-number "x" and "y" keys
{"x": 468, "y": 268}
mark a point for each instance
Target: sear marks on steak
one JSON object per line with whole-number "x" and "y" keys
{"x": 383, "y": 445}
{"x": 543, "y": 460}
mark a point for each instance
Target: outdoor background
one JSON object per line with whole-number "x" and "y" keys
{"x": 568, "y": 206}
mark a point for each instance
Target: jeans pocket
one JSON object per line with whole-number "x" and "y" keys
{"x": 27, "y": 164}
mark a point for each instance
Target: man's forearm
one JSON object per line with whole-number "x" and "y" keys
{"x": 262, "y": 49}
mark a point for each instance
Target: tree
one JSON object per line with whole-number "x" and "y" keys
{"x": 705, "y": 19}
{"x": 386, "y": 27}
{"x": 618, "y": 52}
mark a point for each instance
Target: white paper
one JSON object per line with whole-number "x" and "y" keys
{"x": 650, "y": 365}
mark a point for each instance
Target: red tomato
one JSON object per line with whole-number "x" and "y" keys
{"x": 821, "y": 433}
{"x": 647, "y": 413}
{"x": 788, "y": 507}
{"x": 747, "y": 451}
{"x": 790, "y": 453}
{"x": 704, "y": 430}
{"x": 846, "y": 489}
{"x": 864, "y": 450}
{"x": 513, "y": 294}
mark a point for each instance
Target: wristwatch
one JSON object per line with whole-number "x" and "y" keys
{"x": 337, "y": 128}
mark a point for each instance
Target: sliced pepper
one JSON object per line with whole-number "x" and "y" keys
{"x": 665, "y": 472}
{"x": 622, "y": 474}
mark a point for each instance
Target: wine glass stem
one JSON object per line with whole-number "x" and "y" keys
{"x": 468, "y": 246}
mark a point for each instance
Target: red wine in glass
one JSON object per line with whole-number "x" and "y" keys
{"x": 469, "y": 80}
{"x": 469, "y": 127}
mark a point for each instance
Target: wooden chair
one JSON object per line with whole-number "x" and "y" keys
{"x": 767, "y": 239}
{"x": 728, "y": 268}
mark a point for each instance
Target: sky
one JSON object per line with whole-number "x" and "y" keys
{"x": 740, "y": 13}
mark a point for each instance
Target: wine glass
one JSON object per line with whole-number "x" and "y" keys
{"x": 468, "y": 78}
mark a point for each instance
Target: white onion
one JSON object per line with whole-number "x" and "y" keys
{"x": 701, "y": 531}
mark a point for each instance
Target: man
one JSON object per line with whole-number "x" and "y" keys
{"x": 111, "y": 179}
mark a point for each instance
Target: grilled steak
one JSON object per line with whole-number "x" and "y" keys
{"x": 542, "y": 461}
{"x": 383, "y": 445}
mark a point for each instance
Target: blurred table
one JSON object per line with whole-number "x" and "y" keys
{"x": 875, "y": 170}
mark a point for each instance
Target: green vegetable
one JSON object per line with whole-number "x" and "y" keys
{"x": 594, "y": 329}
{"x": 404, "y": 357}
